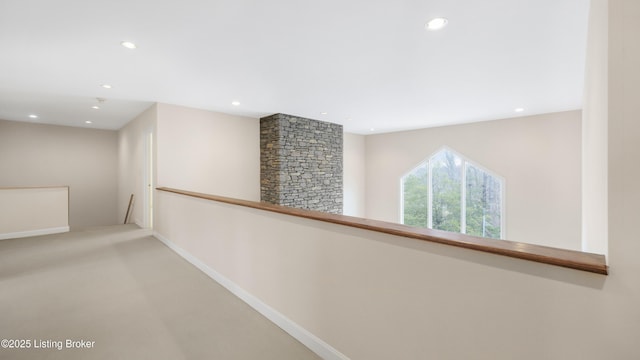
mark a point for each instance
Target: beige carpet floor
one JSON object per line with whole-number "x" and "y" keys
{"x": 128, "y": 297}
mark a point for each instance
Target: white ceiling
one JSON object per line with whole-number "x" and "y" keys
{"x": 366, "y": 63}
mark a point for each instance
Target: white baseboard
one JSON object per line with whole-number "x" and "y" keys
{"x": 311, "y": 341}
{"x": 21, "y": 234}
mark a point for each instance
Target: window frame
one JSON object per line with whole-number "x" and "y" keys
{"x": 463, "y": 191}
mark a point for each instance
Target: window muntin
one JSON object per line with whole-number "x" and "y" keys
{"x": 433, "y": 196}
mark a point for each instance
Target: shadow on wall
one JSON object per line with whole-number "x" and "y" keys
{"x": 565, "y": 275}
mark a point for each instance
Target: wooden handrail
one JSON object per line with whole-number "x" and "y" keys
{"x": 561, "y": 257}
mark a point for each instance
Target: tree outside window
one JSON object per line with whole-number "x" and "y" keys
{"x": 448, "y": 192}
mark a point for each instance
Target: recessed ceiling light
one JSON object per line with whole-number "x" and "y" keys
{"x": 323, "y": 113}
{"x": 128, "y": 44}
{"x": 106, "y": 86}
{"x": 518, "y": 109}
{"x": 33, "y": 116}
{"x": 88, "y": 122}
{"x": 235, "y": 103}
{"x": 372, "y": 129}
{"x": 96, "y": 107}
{"x": 436, "y": 24}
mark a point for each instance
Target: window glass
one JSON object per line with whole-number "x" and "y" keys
{"x": 433, "y": 196}
{"x": 484, "y": 203}
{"x": 415, "y": 193}
{"x": 446, "y": 177}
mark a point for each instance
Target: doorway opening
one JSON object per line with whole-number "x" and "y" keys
{"x": 148, "y": 181}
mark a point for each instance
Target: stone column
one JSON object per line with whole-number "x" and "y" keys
{"x": 301, "y": 163}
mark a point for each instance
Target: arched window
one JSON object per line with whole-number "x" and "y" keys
{"x": 448, "y": 192}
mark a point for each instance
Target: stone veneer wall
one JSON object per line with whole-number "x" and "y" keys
{"x": 301, "y": 163}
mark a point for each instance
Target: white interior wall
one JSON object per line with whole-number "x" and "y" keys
{"x": 538, "y": 156}
{"x": 375, "y": 296}
{"x": 33, "y": 211}
{"x": 354, "y": 175}
{"x": 622, "y": 322}
{"x": 132, "y": 165}
{"x": 208, "y": 152}
{"x": 48, "y": 155}
{"x": 594, "y": 133}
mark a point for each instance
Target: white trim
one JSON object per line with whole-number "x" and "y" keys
{"x": 29, "y": 233}
{"x": 463, "y": 196}
{"x": 430, "y": 193}
{"x": 147, "y": 186}
{"x": 401, "y": 215}
{"x": 311, "y": 341}
{"x": 503, "y": 215}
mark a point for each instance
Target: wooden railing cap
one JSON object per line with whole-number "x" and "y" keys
{"x": 594, "y": 263}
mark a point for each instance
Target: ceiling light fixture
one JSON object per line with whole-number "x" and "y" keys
{"x": 106, "y": 86}
{"x": 235, "y": 103}
{"x": 96, "y": 107}
{"x": 128, "y": 44}
{"x": 518, "y": 109}
{"x": 88, "y": 122}
{"x": 323, "y": 113}
{"x": 436, "y": 24}
{"x": 33, "y": 116}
